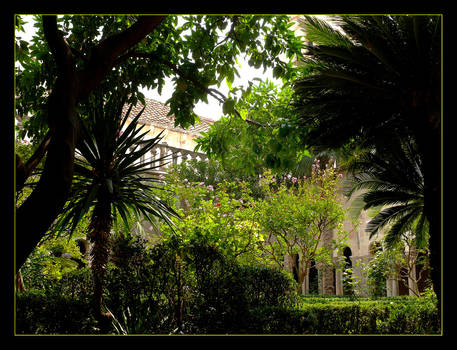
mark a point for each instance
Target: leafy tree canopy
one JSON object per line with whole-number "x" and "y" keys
{"x": 197, "y": 52}
{"x": 261, "y": 137}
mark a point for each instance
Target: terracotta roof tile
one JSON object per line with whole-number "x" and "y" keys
{"x": 155, "y": 114}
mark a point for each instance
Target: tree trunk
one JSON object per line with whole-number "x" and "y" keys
{"x": 428, "y": 136}
{"x": 20, "y": 287}
{"x": 99, "y": 229}
{"x": 37, "y": 213}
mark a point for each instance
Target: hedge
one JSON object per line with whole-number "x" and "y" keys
{"x": 340, "y": 316}
{"x": 191, "y": 288}
{"x": 37, "y": 314}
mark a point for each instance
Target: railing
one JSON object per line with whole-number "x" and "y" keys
{"x": 164, "y": 155}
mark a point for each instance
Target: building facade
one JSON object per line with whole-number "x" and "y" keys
{"x": 177, "y": 144}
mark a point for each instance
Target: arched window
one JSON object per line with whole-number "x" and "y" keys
{"x": 347, "y": 273}
{"x": 313, "y": 279}
{"x": 347, "y": 252}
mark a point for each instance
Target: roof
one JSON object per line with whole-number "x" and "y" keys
{"x": 155, "y": 114}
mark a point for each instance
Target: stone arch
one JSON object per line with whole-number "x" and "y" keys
{"x": 347, "y": 253}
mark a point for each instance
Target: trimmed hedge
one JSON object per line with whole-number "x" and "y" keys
{"x": 345, "y": 316}
{"x": 38, "y": 314}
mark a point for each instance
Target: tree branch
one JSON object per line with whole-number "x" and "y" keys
{"x": 106, "y": 54}
{"x": 59, "y": 47}
{"x": 23, "y": 171}
{"x": 212, "y": 92}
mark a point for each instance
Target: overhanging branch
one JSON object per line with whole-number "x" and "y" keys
{"x": 220, "y": 97}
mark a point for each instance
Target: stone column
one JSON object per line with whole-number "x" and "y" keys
{"x": 154, "y": 156}
{"x": 413, "y": 288}
{"x": 392, "y": 287}
{"x": 339, "y": 282}
{"x": 288, "y": 263}
{"x": 328, "y": 287}
{"x": 185, "y": 156}
{"x": 162, "y": 152}
{"x": 305, "y": 285}
{"x": 412, "y": 284}
{"x": 328, "y": 281}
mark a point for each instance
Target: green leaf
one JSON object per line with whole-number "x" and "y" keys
{"x": 109, "y": 183}
{"x": 228, "y": 106}
{"x": 229, "y": 81}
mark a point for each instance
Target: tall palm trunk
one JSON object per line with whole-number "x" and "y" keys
{"x": 432, "y": 210}
{"x": 428, "y": 136}
{"x": 99, "y": 232}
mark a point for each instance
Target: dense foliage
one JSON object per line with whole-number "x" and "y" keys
{"x": 192, "y": 288}
{"x": 221, "y": 269}
{"x": 74, "y": 58}
{"x": 174, "y": 287}
{"x": 289, "y": 217}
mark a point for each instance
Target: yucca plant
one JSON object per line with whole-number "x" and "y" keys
{"x": 110, "y": 181}
{"x": 392, "y": 184}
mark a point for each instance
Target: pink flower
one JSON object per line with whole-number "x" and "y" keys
{"x": 294, "y": 180}
{"x": 340, "y": 175}
{"x": 211, "y": 188}
{"x": 150, "y": 228}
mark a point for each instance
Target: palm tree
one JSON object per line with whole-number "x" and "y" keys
{"x": 391, "y": 181}
{"x": 377, "y": 77}
{"x": 111, "y": 181}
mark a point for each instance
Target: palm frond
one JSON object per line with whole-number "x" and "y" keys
{"x": 388, "y": 198}
{"x": 401, "y": 226}
{"x": 386, "y": 217}
{"x": 320, "y": 32}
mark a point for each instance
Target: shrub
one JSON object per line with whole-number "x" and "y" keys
{"x": 37, "y": 313}
{"x": 191, "y": 288}
{"x": 341, "y": 315}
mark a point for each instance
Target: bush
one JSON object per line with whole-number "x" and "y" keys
{"x": 190, "y": 288}
{"x": 37, "y": 313}
{"x": 341, "y": 315}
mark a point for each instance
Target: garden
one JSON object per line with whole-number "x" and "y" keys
{"x": 343, "y": 153}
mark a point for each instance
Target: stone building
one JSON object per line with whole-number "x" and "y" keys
{"x": 176, "y": 143}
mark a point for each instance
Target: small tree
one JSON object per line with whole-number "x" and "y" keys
{"x": 295, "y": 219}
{"x": 398, "y": 262}
{"x": 215, "y": 214}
